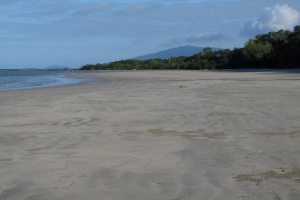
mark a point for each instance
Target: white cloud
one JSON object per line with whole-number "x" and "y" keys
{"x": 139, "y": 8}
{"x": 273, "y": 19}
{"x": 198, "y": 38}
{"x": 206, "y": 37}
{"x": 94, "y": 8}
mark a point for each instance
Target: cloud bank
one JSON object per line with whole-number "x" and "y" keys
{"x": 94, "y": 8}
{"x": 200, "y": 38}
{"x": 273, "y": 19}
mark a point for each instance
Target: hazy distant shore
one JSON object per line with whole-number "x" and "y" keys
{"x": 148, "y": 135}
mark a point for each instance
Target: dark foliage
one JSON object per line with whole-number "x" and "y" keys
{"x": 272, "y": 50}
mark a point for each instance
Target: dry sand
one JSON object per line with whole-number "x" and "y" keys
{"x": 145, "y": 135}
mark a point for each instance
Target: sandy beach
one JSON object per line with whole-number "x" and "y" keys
{"x": 154, "y": 135}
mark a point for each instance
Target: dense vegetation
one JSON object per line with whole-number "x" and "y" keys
{"x": 272, "y": 50}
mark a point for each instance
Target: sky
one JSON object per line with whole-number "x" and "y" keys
{"x": 72, "y": 33}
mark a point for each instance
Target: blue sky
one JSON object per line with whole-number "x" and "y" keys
{"x": 71, "y": 33}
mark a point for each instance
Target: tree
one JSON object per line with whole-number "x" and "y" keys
{"x": 207, "y": 52}
{"x": 274, "y": 50}
{"x": 256, "y": 53}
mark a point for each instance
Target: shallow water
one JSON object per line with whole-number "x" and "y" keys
{"x": 19, "y": 79}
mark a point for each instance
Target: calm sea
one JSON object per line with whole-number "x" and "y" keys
{"x": 19, "y": 79}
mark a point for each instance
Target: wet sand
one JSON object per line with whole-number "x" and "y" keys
{"x": 165, "y": 135}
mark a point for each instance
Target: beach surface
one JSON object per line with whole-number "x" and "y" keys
{"x": 154, "y": 135}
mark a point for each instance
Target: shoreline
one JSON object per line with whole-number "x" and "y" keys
{"x": 87, "y": 76}
{"x": 23, "y": 79}
{"x": 153, "y": 135}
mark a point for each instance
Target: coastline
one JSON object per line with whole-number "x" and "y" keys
{"x": 25, "y": 79}
{"x": 154, "y": 135}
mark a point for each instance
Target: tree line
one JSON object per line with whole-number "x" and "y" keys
{"x": 272, "y": 50}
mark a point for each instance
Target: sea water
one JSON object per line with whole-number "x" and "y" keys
{"x": 19, "y": 79}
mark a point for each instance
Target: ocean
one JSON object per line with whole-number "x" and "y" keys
{"x": 20, "y": 79}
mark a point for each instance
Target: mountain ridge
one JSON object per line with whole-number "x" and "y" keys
{"x": 174, "y": 52}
